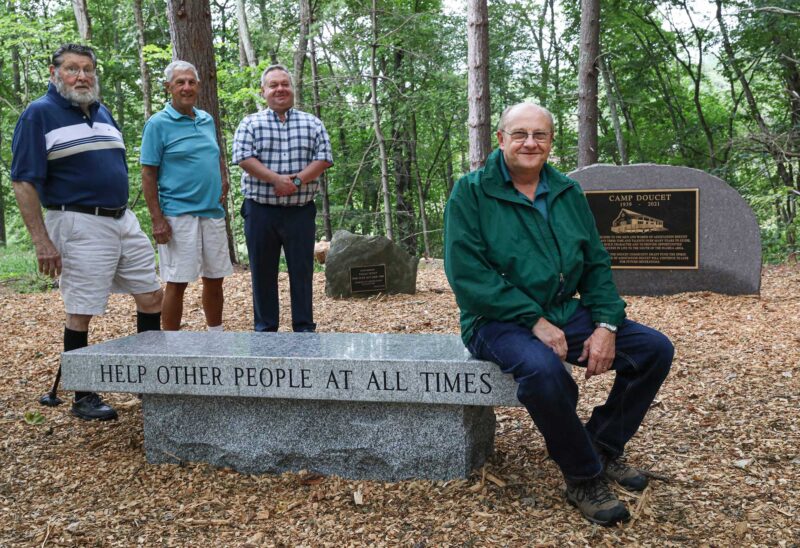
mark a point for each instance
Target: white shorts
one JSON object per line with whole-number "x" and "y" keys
{"x": 198, "y": 247}
{"x": 100, "y": 255}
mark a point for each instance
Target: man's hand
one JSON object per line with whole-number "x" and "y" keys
{"x": 600, "y": 349}
{"x": 162, "y": 232}
{"x": 551, "y": 336}
{"x": 49, "y": 258}
{"x": 283, "y": 185}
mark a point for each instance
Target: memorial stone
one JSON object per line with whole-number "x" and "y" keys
{"x": 673, "y": 229}
{"x": 365, "y": 265}
{"x": 361, "y": 406}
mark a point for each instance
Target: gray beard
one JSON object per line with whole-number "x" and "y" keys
{"x": 77, "y": 98}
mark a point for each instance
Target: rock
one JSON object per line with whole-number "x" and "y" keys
{"x": 321, "y": 251}
{"x": 727, "y": 242}
{"x": 359, "y": 266}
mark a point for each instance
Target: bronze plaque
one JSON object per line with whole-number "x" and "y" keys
{"x": 648, "y": 228}
{"x": 368, "y": 278}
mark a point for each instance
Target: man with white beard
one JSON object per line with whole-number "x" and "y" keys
{"x": 69, "y": 157}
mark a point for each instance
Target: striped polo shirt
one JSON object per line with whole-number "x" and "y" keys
{"x": 71, "y": 158}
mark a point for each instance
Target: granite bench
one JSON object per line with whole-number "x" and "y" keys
{"x": 361, "y": 406}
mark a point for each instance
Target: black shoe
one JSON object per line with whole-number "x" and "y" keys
{"x": 616, "y": 469}
{"x": 596, "y": 501}
{"x": 92, "y": 407}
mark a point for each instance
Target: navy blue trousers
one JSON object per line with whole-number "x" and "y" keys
{"x": 550, "y": 394}
{"x": 268, "y": 228}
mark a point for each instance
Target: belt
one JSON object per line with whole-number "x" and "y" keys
{"x": 115, "y": 212}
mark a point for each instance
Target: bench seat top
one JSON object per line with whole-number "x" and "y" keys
{"x": 412, "y": 368}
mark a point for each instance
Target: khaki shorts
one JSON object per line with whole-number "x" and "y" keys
{"x": 100, "y": 255}
{"x": 198, "y": 247}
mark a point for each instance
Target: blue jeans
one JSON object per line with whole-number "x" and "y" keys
{"x": 548, "y": 391}
{"x": 267, "y": 229}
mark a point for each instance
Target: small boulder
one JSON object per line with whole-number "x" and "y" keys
{"x": 371, "y": 264}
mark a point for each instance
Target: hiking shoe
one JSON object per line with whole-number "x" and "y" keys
{"x": 92, "y": 407}
{"x": 616, "y": 469}
{"x": 596, "y": 501}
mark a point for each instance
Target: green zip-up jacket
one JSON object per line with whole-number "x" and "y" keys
{"x": 505, "y": 262}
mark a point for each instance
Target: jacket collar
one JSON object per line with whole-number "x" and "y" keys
{"x": 175, "y": 115}
{"x": 494, "y": 184}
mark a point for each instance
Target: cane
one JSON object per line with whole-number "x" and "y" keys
{"x": 50, "y": 399}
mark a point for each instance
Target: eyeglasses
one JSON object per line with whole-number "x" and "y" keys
{"x": 522, "y": 136}
{"x": 74, "y": 71}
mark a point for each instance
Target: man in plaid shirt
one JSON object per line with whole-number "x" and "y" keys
{"x": 282, "y": 152}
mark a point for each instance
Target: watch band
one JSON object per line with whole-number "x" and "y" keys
{"x": 604, "y": 325}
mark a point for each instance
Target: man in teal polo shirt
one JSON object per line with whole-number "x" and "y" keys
{"x": 183, "y": 186}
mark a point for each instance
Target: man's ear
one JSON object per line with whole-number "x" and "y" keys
{"x": 500, "y": 141}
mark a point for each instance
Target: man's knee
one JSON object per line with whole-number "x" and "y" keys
{"x": 78, "y": 322}
{"x": 149, "y": 302}
{"x": 662, "y": 351}
{"x": 176, "y": 289}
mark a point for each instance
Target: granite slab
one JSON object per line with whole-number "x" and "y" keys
{"x": 355, "y": 440}
{"x": 409, "y": 368}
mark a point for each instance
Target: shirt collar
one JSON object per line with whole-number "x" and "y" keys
{"x": 541, "y": 188}
{"x": 274, "y": 114}
{"x": 175, "y": 115}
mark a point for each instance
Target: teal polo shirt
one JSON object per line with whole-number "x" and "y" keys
{"x": 186, "y": 152}
{"x": 542, "y": 189}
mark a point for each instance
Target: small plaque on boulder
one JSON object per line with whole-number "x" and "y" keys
{"x": 365, "y": 265}
{"x": 368, "y": 278}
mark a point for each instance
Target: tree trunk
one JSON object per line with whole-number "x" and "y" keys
{"x": 480, "y": 114}
{"x": 144, "y": 72}
{"x": 326, "y": 201}
{"x": 612, "y": 107}
{"x": 587, "y": 82}
{"x": 83, "y": 20}
{"x": 192, "y": 41}
{"x": 420, "y": 194}
{"x": 300, "y": 52}
{"x": 245, "y": 43}
{"x": 376, "y": 119}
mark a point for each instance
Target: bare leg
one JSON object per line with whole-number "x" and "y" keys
{"x": 172, "y": 307}
{"x": 213, "y": 300}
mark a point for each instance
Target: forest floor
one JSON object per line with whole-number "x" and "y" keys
{"x": 723, "y": 436}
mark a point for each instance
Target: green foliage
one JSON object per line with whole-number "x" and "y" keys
{"x": 18, "y": 271}
{"x": 34, "y": 418}
{"x": 650, "y": 50}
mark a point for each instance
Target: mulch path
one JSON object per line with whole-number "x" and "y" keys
{"x": 723, "y": 436}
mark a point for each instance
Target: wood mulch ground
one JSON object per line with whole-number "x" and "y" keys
{"x": 724, "y": 436}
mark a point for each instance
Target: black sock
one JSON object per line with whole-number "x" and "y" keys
{"x": 146, "y": 321}
{"x": 74, "y": 340}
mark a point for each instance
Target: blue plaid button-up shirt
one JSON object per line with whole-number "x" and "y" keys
{"x": 285, "y": 148}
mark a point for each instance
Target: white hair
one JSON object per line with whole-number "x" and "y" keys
{"x": 169, "y": 72}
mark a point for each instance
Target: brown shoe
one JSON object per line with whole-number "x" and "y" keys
{"x": 617, "y": 470}
{"x": 596, "y": 501}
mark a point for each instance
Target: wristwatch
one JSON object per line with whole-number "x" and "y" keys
{"x": 604, "y": 325}
{"x": 297, "y": 181}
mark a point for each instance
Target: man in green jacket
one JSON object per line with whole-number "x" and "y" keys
{"x": 534, "y": 286}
